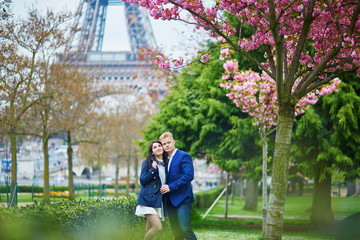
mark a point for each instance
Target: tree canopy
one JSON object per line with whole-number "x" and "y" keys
{"x": 307, "y": 44}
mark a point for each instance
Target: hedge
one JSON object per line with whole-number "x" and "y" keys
{"x": 72, "y": 220}
{"x": 203, "y": 200}
{"x": 37, "y": 189}
{"x": 79, "y": 220}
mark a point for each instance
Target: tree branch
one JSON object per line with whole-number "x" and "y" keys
{"x": 278, "y": 40}
{"x": 354, "y": 19}
{"x": 23, "y": 110}
{"x": 294, "y": 66}
{"x": 79, "y": 141}
{"x": 331, "y": 9}
{"x": 317, "y": 84}
{"x": 270, "y": 131}
{"x": 284, "y": 10}
{"x": 270, "y": 57}
{"x": 228, "y": 40}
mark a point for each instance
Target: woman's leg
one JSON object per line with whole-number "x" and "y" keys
{"x": 147, "y": 226}
{"x": 156, "y": 226}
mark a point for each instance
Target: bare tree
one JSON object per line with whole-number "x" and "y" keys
{"x": 27, "y": 44}
{"x": 76, "y": 101}
{"x": 122, "y": 116}
{"x": 96, "y": 152}
{"x": 132, "y": 112}
{"x": 50, "y": 115}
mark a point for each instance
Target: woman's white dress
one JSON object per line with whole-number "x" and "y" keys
{"x": 141, "y": 210}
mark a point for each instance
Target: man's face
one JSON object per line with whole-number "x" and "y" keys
{"x": 168, "y": 144}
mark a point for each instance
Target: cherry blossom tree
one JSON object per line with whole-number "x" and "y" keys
{"x": 307, "y": 43}
{"x": 256, "y": 94}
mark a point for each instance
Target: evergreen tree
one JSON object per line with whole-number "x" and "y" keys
{"x": 327, "y": 139}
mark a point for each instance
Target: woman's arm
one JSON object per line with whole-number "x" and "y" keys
{"x": 147, "y": 176}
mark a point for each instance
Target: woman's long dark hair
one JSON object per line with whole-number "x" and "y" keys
{"x": 151, "y": 156}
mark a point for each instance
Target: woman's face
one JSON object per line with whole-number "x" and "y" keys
{"x": 157, "y": 149}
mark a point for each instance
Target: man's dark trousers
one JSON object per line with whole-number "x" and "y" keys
{"x": 180, "y": 221}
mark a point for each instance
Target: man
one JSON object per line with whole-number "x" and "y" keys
{"x": 179, "y": 174}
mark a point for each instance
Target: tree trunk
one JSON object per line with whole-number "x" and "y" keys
{"x": 264, "y": 182}
{"x": 117, "y": 168}
{"x": 350, "y": 189}
{"x": 321, "y": 214}
{"x": 226, "y": 195}
{"x": 251, "y": 196}
{"x": 292, "y": 188}
{"x": 46, "y": 198}
{"x": 13, "y": 193}
{"x": 70, "y": 167}
{"x": 128, "y": 173}
{"x": 136, "y": 174}
{"x": 241, "y": 188}
{"x": 100, "y": 187}
{"x": 274, "y": 220}
{"x": 233, "y": 186}
{"x": 301, "y": 186}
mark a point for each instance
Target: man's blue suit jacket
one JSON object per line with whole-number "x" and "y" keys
{"x": 179, "y": 177}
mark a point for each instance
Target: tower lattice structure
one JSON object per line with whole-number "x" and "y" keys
{"x": 119, "y": 68}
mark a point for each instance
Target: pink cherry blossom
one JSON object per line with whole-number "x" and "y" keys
{"x": 179, "y": 62}
{"x": 205, "y": 58}
{"x": 164, "y": 65}
{"x": 329, "y": 31}
{"x": 213, "y": 168}
{"x": 256, "y": 94}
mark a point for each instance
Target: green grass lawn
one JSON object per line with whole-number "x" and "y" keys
{"x": 295, "y": 207}
{"x": 296, "y": 222}
{"x": 252, "y": 234}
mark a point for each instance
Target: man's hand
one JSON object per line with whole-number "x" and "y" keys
{"x": 164, "y": 189}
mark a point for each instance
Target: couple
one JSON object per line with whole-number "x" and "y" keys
{"x": 166, "y": 171}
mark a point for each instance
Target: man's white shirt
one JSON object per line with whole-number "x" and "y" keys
{"x": 171, "y": 157}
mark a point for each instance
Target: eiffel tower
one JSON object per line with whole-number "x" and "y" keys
{"x": 119, "y": 68}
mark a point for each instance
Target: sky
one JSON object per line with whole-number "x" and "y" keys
{"x": 169, "y": 35}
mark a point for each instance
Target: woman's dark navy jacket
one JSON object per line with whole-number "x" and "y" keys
{"x": 149, "y": 194}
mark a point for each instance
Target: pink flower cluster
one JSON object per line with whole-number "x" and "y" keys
{"x": 224, "y": 53}
{"x": 312, "y": 97}
{"x": 256, "y": 94}
{"x": 328, "y": 32}
{"x": 165, "y": 64}
{"x": 213, "y": 168}
{"x": 205, "y": 58}
{"x": 178, "y": 62}
{"x": 331, "y": 29}
{"x": 162, "y": 62}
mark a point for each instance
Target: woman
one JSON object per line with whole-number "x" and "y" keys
{"x": 149, "y": 202}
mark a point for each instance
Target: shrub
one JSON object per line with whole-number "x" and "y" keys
{"x": 98, "y": 219}
{"x": 36, "y": 189}
{"x": 203, "y": 200}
